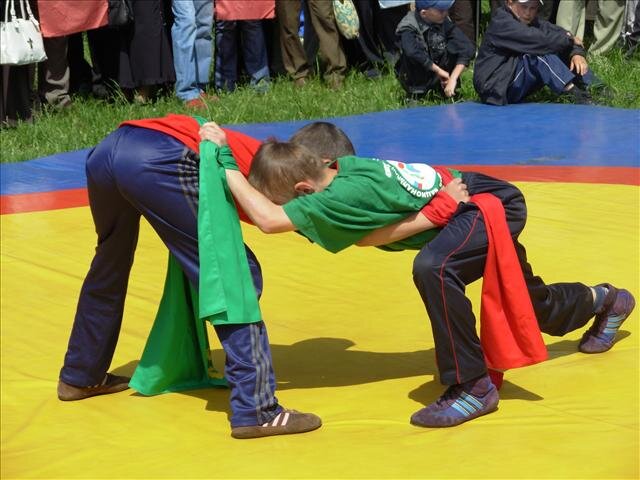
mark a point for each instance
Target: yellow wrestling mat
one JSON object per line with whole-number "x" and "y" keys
{"x": 351, "y": 342}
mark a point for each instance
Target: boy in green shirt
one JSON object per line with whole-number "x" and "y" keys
{"x": 386, "y": 203}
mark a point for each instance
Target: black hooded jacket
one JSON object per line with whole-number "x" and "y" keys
{"x": 505, "y": 40}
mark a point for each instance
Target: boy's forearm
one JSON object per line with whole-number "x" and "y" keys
{"x": 411, "y": 225}
{"x": 457, "y": 71}
{"x": 266, "y": 215}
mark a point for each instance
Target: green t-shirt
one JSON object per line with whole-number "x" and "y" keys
{"x": 366, "y": 194}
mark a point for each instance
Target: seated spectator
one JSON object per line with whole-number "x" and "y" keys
{"x": 434, "y": 51}
{"x": 521, "y": 53}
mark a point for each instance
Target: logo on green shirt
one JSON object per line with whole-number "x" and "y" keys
{"x": 419, "y": 179}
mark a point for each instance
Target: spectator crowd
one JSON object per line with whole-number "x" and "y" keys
{"x": 195, "y": 48}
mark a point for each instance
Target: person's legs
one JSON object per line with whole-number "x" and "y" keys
{"x": 99, "y": 312}
{"x": 54, "y": 73}
{"x": 183, "y": 34}
{"x": 462, "y": 14}
{"x": 226, "y": 74}
{"x": 607, "y": 26}
{"x": 254, "y": 52}
{"x": 571, "y": 16}
{"x": 455, "y": 258}
{"x": 441, "y": 270}
{"x": 293, "y": 56}
{"x": 533, "y": 71}
{"x": 324, "y": 24}
{"x": 524, "y": 81}
{"x": 551, "y": 70}
{"x": 139, "y": 171}
{"x": 204, "y": 41}
{"x": 249, "y": 371}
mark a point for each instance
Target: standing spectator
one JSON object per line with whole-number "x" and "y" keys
{"x": 192, "y": 49}
{"x": 58, "y": 20}
{"x": 606, "y": 28}
{"x": 463, "y": 14}
{"x": 54, "y": 75}
{"x": 631, "y": 31}
{"x": 435, "y": 52}
{"x": 239, "y": 26}
{"x": 324, "y": 25}
{"x": 146, "y": 61}
{"x": 376, "y": 42}
{"x": 15, "y": 87}
{"x": 521, "y": 53}
{"x": 16, "y": 101}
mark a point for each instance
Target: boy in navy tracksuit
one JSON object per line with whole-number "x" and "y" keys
{"x": 151, "y": 168}
{"x": 520, "y": 53}
{"x": 434, "y": 51}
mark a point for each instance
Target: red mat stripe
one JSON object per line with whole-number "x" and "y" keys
{"x": 42, "y": 201}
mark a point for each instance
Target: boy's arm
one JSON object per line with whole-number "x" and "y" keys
{"x": 413, "y": 48}
{"x": 266, "y": 215}
{"x": 452, "y": 83}
{"x": 450, "y": 195}
{"x": 519, "y": 38}
{"x": 408, "y": 227}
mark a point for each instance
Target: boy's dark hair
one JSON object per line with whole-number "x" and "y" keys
{"x": 278, "y": 166}
{"x": 324, "y": 139}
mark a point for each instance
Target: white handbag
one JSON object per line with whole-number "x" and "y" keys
{"x": 20, "y": 38}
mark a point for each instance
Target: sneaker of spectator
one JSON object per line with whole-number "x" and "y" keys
{"x": 578, "y": 95}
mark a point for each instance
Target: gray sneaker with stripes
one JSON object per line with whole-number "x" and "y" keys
{"x": 284, "y": 423}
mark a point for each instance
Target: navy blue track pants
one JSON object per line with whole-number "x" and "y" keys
{"x": 535, "y": 71}
{"x": 133, "y": 172}
{"x": 456, "y": 257}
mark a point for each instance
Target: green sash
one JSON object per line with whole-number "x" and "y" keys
{"x": 176, "y": 356}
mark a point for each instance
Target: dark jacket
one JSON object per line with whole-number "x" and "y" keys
{"x": 423, "y": 44}
{"x": 505, "y": 40}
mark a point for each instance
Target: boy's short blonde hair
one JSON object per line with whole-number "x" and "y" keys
{"x": 278, "y": 166}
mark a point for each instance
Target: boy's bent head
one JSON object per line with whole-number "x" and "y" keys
{"x": 525, "y": 10}
{"x": 324, "y": 139}
{"x": 433, "y": 11}
{"x": 278, "y": 167}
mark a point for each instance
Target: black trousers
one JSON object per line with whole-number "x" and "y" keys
{"x": 456, "y": 258}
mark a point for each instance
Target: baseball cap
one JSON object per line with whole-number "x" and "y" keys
{"x": 525, "y": 1}
{"x": 437, "y": 4}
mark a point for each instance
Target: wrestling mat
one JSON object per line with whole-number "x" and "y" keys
{"x": 351, "y": 340}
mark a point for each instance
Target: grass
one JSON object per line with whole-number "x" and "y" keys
{"x": 88, "y": 120}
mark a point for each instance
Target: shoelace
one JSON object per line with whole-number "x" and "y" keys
{"x": 450, "y": 393}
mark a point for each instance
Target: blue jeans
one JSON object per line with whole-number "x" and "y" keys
{"x": 192, "y": 46}
{"x": 254, "y": 52}
{"x": 535, "y": 71}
